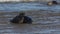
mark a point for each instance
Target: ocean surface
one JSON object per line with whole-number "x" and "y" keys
{"x": 28, "y": 6}
{"x": 46, "y": 19}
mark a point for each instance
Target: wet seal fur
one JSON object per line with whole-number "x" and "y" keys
{"x": 17, "y": 19}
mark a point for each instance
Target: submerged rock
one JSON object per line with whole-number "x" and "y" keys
{"x": 52, "y": 3}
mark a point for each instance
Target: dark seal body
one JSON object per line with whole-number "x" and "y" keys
{"x": 17, "y": 19}
{"x": 27, "y": 20}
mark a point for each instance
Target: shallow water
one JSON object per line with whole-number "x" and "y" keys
{"x": 46, "y": 19}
